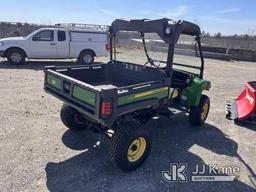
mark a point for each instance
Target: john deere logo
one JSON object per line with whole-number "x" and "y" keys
{"x": 176, "y": 173}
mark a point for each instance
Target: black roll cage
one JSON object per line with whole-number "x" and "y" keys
{"x": 159, "y": 26}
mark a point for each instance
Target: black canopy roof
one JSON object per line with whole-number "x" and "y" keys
{"x": 157, "y": 26}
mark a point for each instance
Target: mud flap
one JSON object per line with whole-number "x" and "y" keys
{"x": 244, "y": 107}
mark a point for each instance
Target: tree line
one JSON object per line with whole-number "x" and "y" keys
{"x": 235, "y": 36}
{"x": 9, "y": 29}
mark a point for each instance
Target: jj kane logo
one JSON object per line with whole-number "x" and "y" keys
{"x": 178, "y": 173}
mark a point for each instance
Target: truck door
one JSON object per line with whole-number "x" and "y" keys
{"x": 63, "y": 39}
{"x": 43, "y": 45}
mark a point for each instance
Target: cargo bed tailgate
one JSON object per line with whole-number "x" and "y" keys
{"x": 74, "y": 92}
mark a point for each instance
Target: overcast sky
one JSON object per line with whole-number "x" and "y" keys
{"x": 227, "y": 17}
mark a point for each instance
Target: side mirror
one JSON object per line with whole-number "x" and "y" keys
{"x": 35, "y": 38}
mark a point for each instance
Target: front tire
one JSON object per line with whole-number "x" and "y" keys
{"x": 198, "y": 114}
{"x": 86, "y": 58}
{"x": 129, "y": 146}
{"x": 72, "y": 118}
{"x": 16, "y": 56}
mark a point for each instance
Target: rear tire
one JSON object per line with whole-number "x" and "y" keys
{"x": 129, "y": 146}
{"x": 199, "y": 114}
{"x": 16, "y": 56}
{"x": 72, "y": 118}
{"x": 86, "y": 58}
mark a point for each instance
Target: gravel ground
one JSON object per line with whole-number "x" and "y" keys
{"x": 38, "y": 153}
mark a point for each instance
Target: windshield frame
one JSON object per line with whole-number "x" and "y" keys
{"x": 170, "y": 56}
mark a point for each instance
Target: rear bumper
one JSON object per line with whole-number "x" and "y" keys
{"x": 1, "y": 53}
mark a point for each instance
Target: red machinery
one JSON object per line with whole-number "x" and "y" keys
{"x": 244, "y": 107}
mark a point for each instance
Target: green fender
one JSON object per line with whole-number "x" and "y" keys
{"x": 192, "y": 94}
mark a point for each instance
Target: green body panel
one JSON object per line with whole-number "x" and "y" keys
{"x": 54, "y": 82}
{"x": 150, "y": 94}
{"x": 84, "y": 95}
{"x": 193, "y": 92}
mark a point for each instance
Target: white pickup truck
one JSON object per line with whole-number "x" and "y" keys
{"x": 58, "y": 43}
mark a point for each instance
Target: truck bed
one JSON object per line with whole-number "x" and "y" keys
{"x": 115, "y": 75}
{"x": 128, "y": 87}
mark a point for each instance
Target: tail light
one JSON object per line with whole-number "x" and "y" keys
{"x": 106, "y": 109}
{"x": 107, "y": 47}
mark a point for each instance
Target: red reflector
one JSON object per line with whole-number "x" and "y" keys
{"x": 106, "y": 108}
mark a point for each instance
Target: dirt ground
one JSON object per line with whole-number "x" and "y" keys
{"x": 37, "y": 153}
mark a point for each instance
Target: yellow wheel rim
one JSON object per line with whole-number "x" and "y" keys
{"x": 205, "y": 111}
{"x": 136, "y": 149}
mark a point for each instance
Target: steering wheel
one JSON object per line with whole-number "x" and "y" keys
{"x": 151, "y": 62}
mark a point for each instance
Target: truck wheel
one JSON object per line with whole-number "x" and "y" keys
{"x": 72, "y": 118}
{"x": 199, "y": 114}
{"x": 86, "y": 58}
{"x": 129, "y": 146}
{"x": 16, "y": 56}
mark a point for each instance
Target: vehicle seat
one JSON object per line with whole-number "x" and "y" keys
{"x": 181, "y": 79}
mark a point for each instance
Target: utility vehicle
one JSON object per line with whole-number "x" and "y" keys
{"x": 64, "y": 41}
{"x": 117, "y": 98}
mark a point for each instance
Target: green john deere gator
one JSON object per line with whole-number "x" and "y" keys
{"x": 117, "y": 98}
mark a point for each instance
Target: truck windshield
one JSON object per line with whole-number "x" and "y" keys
{"x": 32, "y": 34}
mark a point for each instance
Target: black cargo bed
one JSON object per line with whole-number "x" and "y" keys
{"x": 129, "y": 87}
{"x": 116, "y": 74}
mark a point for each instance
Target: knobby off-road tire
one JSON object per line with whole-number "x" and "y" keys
{"x": 72, "y": 118}
{"x": 129, "y": 146}
{"x": 86, "y": 58}
{"x": 199, "y": 114}
{"x": 16, "y": 56}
